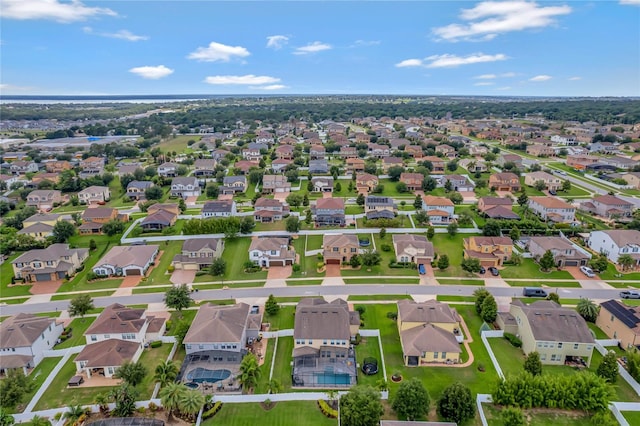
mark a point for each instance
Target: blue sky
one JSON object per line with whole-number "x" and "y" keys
{"x": 499, "y": 48}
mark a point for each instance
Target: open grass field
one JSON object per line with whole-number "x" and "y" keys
{"x": 178, "y": 143}
{"x": 540, "y": 417}
{"x": 296, "y": 413}
{"x": 530, "y": 269}
{"x": 37, "y": 377}
{"x": 452, "y": 247}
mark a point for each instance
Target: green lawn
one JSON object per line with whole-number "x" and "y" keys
{"x": 178, "y": 143}
{"x": 383, "y": 268}
{"x": 539, "y": 418}
{"x": 79, "y": 281}
{"x": 159, "y": 273}
{"x": 282, "y": 367}
{"x": 92, "y": 294}
{"x": 78, "y": 326}
{"x": 443, "y": 298}
{"x": 236, "y": 253}
{"x": 263, "y": 383}
{"x": 6, "y": 273}
{"x": 610, "y": 274}
{"x": 479, "y": 220}
{"x": 150, "y": 358}
{"x": 458, "y": 281}
{"x": 633, "y": 417}
{"x": 368, "y": 347}
{"x": 512, "y": 283}
{"x": 452, "y": 247}
{"x": 297, "y": 413}
{"x": 283, "y": 320}
{"x": 38, "y": 376}
{"x": 530, "y": 269}
{"x": 307, "y": 263}
{"x": 314, "y": 242}
{"x": 368, "y": 280}
{"x": 274, "y": 226}
{"x": 379, "y": 297}
{"x": 305, "y": 282}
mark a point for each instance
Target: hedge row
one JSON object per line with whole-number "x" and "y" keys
{"x": 327, "y": 410}
{"x": 213, "y": 410}
{"x": 513, "y": 339}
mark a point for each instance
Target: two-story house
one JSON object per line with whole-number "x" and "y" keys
{"x": 219, "y": 208}
{"x": 376, "y": 150}
{"x": 94, "y": 194}
{"x": 40, "y": 225}
{"x": 279, "y": 165}
{"x": 137, "y": 188}
{"x": 322, "y": 352}
{"x": 446, "y": 150}
{"x": 551, "y": 182}
{"x": 57, "y": 166}
{"x": 505, "y": 181}
{"x": 322, "y": 183}
{"x": 565, "y": 253}
{"x": 615, "y": 243}
{"x": 388, "y": 162}
{"x": 50, "y": 264}
{"x": 23, "y": 340}
{"x": 272, "y": 184}
{"x": 497, "y": 207}
{"x": 438, "y": 164}
{"x": 355, "y": 165}
{"x": 490, "y": 251}
{"x": 366, "y": 182}
{"x": 608, "y": 206}
{"x": 541, "y": 150}
{"x": 411, "y": 248}
{"x": 271, "y": 251}
{"x": 233, "y": 184}
{"x": 430, "y": 333}
{"x": 378, "y": 207}
{"x": 510, "y": 158}
{"x": 552, "y": 209}
{"x": 185, "y": 187}
{"x": 329, "y": 212}
{"x": 198, "y": 253}
{"x": 205, "y": 168}
{"x": 267, "y": 210}
{"x": 457, "y": 183}
{"x": 168, "y": 169}
{"x": 621, "y": 322}
{"x": 348, "y": 152}
{"x": 317, "y": 152}
{"x": 439, "y": 209}
{"x": 23, "y": 167}
{"x": 339, "y": 248}
{"x": 93, "y": 219}
{"x": 412, "y": 180}
{"x": 284, "y": 152}
{"x": 45, "y": 199}
{"x": 127, "y": 260}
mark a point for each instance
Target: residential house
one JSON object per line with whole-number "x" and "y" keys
{"x": 329, "y": 212}
{"x": 552, "y": 209}
{"x": 509, "y": 158}
{"x": 45, "y": 199}
{"x": 127, "y": 260}
{"x": 366, "y": 182}
{"x": 158, "y": 221}
{"x": 272, "y": 184}
{"x": 198, "y": 254}
{"x": 477, "y": 150}
{"x": 632, "y": 178}
{"x": 621, "y": 322}
{"x": 458, "y": 183}
{"x": 446, "y": 150}
{"x": 322, "y": 183}
{"x": 57, "y": 166}
{"x": 94, "y": 218}
{"x": 439, "y": 209}
{"x": 23, "y": 340}
{"x": 9, "y": 180}
{"x": 94, "y": 194}
{"x": 551, "y": 182}
{"x": 355, "y": 165}
{"x": 92, "y": 163}
{"x": 205, "y": 168}
{"x": 414, "y": 151}
{"x": 278, "y": 166}
{"x": 170, "y": 207}
{"x": 378, "y": 207}
{"x": 472, "y": 165}
{"x": 560, "y": 335}
{"x": 490, "y": 251}
{"x": 23, "y": 167}
{"x": 288, "y": 140}
{"x": 339, "y": 248}
{"x": 39, "y": 177}
{"x": 388, "y": 162}
{"x": 267, "y": 210}
{"x": 615, "y": 243}
{"x": 565, "y": 253}
{"x": 252, "y": 154}
{"x": 375, "y": 150}
{"x": 50, "y": 264}
{"x": 348, "y": 152}
{"x": 244, "y": 166}
{"x": 540, "y": 150}
{"x": 429, "y": 333}
{"x": 412, "y": 180}
{"x": 608, "y": 206}
{"x": 185, "y": 187}
{"x": 505, "y": 181}
{"x": 233, "y": 184}
{"x": 137, "y": 188}
{"x": 322, "y": 352}
{"x": 604, "y": 147}
{"x": 564, "y": 139}
{"x": 168, "y": 169}
{"x": 437, "y": 163}
{"x": 411, "y": 248}
{"x": 497, "y": 208}
{"x": 580, "y": 162}
{"x": 271, "y": 251}
{"x": 317, "y": 152}
{"x": 284, "y": 152}
{"x": 40, "y": 225}
{"x": 219, "y": 208}
{"x": 318, "y": 166}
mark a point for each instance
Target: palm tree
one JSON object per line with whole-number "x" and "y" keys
{"x": 166, "y": 372}
{"x": 191, "y": 402}
{"x": 73, "y": 413}
{"x": 587, "y": 309}
{"x": 39, "y": 421}
{"x": 171, "y": 395}
{"x": 274, "y": 386}
{"x": 6, "y": 419}
{"x": 249, "y": 371}
{"x": 102, "y": 401}
{"x": 626, "y": 261}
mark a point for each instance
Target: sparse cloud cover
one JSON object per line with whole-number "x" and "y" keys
{"x": 365, "y": 43}
{"x": 247, "y": 80}
{"x": 218, "y": 52}
{"x": 122, "y": 34}
{"x": 485, "y": 77}
{"x": 488, "y": 19}
{"x": 541, "y": 77}
{"x": 314, "y": 47}
{"x": 270, "y": 87}
{"x": 451, "y": 61}
{"x": 277, "y": 41}
{"x": 630, "y": 2}
{"x": 576, "y": 78}
{"x": 484, "y": 83}
{"x": 51, "y": 10}
{"x": 152, "y": 72}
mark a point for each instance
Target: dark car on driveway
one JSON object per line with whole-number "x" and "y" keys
{"x": 482, "y": 270}
{"x": 494, "y": 271}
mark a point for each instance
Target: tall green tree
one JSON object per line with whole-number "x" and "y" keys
{"x": 171, "y": 395}
{"x": 443, "y": 262}
{"x": 471, "y": 265}
{"x": 80, "y": 305}
{"x": 491, "y": 228}
{"x": 6, "y": 419}
{"x": 165, "y": 373}
{"x": 292, "y": 224}
{"x": 361, "y": 406}
{"x": 125, "y": 397}
{"x": 62, "y": 230}
{"x": 249, "y": 372}
{"x": 587, "y": 309}
{"x": 191, "y": 402}
{"x": 271, "y": 307}
{"x": 457, "y": 404}
{"x": 417, "y": 203}
{"x": 218, "y": 267}
{"x": 13, "y": 388}
{"x": 608, "y": 368}
{"x": 514, "y": 234}
{"x": 546, "y": 261}
{"x": 430, "y": 233}
{"x": 626, "y": 261}
{"x": 532, "y": 364}
{"x": 480, "y": 294}
{"x": 489, "y": 309}
{"x": 370, "y": 257}
{"x": 178, "y": 298}
{"x": 132, "y": 373}
{"x": 452, "y": 229}
{"x": 411, "y": 400}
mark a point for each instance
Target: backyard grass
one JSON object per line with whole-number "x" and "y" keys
{"x": 37, "y": 377}
{"x": 78, "y": 327}
{"x": 79, "y": 281}
{"x": 282, "y": 366}
{"x": 307, "y": 263}
{"x": 540, "y": 418}
{"x": 262, "y": 386}
{"x": 368, "y": 347}
{"x": 314, "y": 242}
{"x": 599, "y": 334}
{"x": 283, "y": 320}
{"x": 452, "y": 247}
{"x": 295, "y": 413}
{"x": 633, "y": 417}
{"x": 274, "y": 226}
{"x": 530, "y": 269}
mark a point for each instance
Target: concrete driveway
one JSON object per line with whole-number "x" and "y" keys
{"x": 578, "y": 275}
{"x": 180, "y": 276}
{"x": 130, "y": 281}
{"x": 332, "y": 271}
{"x": 279, "y": 272}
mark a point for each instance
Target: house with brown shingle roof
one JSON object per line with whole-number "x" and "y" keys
{"x": 608, "y": 206}
{"x": 50, "y": 264}
{"x": 437, "y": 163}
{"x": 429, "y": 332}
{"x": 490, "y": 251}
{"x": 126, "y": 260}
{"x": 505, "y": 181}
{"x": 553, "y": 209}
{"x": 339, "y": 248}
{"x": 412, "y": 180}
{"x": 105, "y": 357}
{"x": 355, "y": 165}
{"x": 565, "y": 253}
{"x": 411, "y": 248}
{"x": 267, "y": 210}
{"x": 366, "y": 182}
{"x": 198, "y": 253}
{"x": 439, "y": 209}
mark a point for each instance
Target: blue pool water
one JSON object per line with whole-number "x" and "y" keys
{"x": 332, "y": 379}
{"x": 191, "y": 385}
{"x": 200, "y": 375}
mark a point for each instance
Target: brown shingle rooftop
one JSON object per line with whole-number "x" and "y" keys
{"x": 218, "y": 324}
{"x": 317, "y": 319}
{"x": 22, "y": 330}
{"x": 108, "y": 353}
{"x": 551, "y": 322}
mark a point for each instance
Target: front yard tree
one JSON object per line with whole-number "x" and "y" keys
{"x": 480, "y": 294}
{"x": 212, "y": 190}
{"x": 113, "y": 227}
{"x": 430, "y": 232}
{"x": 471, "y": 265}
{"x": 417, "y": 203}
{"x": 547, "y": 261}
{"x": 249, "y": 372}
{"x": 587, "y": 310}
{"x": 62, "y": 230}
{"x": 80, "y": 305}
{"x": 523, "y": 200}
{"x": 355, "y": 261}
{"x": 599, "y": 263}
{"x": 218, "y": 267}
{"x": 412, "y": 400}
{"x": 178, "y": 298}
{"x": 452, "y": 229}
{"x": 514, "y": 234}
{"x": 456, "y": 404}
{"x": 608, "y": 368}
{"x": 626, "y": 261}
{"x": 512, "y": 416}
{"x": 491, "y": 228}
{"x": 489, "y": 309}
{"x": 566, "y": 185}
{"x": 153, "y": 193}
{"x": 532, "y": 364}
{"x": 370, "y": 257}
{"x": 338, "y": 187}
{"x": 271, "y": 306}
{"x": 292, "y": 224}
{"x": 361, "y": 406}
{"x": 540, "y": 185}
{"x": 360, "y": 199}
{"x": 443, "y": 262}
{"x": 394, "y": 173}
{"x": 131, "y": 373}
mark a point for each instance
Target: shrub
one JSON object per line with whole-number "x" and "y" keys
{"x": 326, "y": 410}
{"x": 153, "y": 407}
{"x": 392, "y": 315}
{"x": 169, "y": 325}
{"x": 295, "y": 267}
{"x": 385, "y": 247}
{"x": 171, "y": 268}
{"x": 213, "y": 410}
{"x": 513, "y": 339}
{"x": 156, "y": 344}
{"x": 319, "y": 265}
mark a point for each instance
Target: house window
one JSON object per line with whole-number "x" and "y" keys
{"x": 575, "y": 346}
{"x": 106, "y": 336}
{"x": 333, "y": 342}
{"x": 435, "y": 355}
{"x": 553, "y": 357}
{"x": 324, "y": 342}
{"x": 560, "y": 345}
{"x": 444, "y": 355}
{"x": 94, "y": 338}
{"x": 310, "y": 342}
{"x": 354, "y": 250}
{"x": 336, "y": 249}
{"x": 128, "y": 336}
{"x": 200, "y": 346}
{"x": 611, "y": 318}
{"x": 37, "y": 264}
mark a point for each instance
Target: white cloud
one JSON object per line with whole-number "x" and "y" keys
{"x": 490, "y": 18}
{"x": 541, "y": 78}
{"x": 508, "y": 74}
{"x": 122, "y": 34}
{"x": 576, "y": 78}
{"x": 270, "y": 87}
{"x": 52, "y": 10}
{"x": 314, "y": 47}
{"x": 277, "y": 41}
{"x": 630, "y": 2}
{"x": 486, "y": 77}
{"x": 365, "y": 43}
{"x": 484, "y": 83}
{"x": 409, "y": 63}
{"x": 504, "y": 88}
{"x": 218, "y": 52}
{"x": 448, "y": 60}
{"x": 247, "y": 80}
{"x": 152, "y": 73}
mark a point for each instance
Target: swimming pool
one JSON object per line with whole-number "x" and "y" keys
{"x": 327, "y": 378}
{"x": 199, "y": 375}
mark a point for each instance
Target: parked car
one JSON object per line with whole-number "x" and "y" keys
{"x": 422, "y": 269}
{"x": 494, "y": 271}
{"x": 630, "y": 294}
{"x": 587, "y": 271}
{"x": 534, "y": 292}
{"x": 552, "y": 192}
{"x": 482, "y": 270}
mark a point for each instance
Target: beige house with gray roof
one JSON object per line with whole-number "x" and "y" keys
{"x": 339, "y": 248}
{"x": 560, "y": 335}
{"x": 413, "y": 248}
{"x": 50, "y": 264}
{"x": 126, "y": 260}
{"x": 271, "y": 251}
{"x": 198, "y": 253}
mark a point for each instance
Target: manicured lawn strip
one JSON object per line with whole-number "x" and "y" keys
{"x": 144, "y": 290}
{"x": 262, "y": 386}
{"x": 633, "y": 417}
{"x": 611, "y": 272}
{"x": 282, "y": 367}
{"x": 72, "y": 295}
{"x": 38, "y": 376}
{"x": 443, "y": 298}
{"x": 479, "y": 220}
{"x": 383, "y": 268}
{"x": 304, "y": 282}
{"x": 598, "y": 332}
{"x": 296, "y": 413}
{"x": 274, "y": 226}
{"x": 14, "y": 301}
{"x": 535, "y": 418}
{"x": 368, "y": 280}
{"x": 6, "y": 273}
{"x": 78, "y": 327}
{"x": 307, "y": 263}
{"x": 159, "y": 273}
{"x": 631, "y": 302}
{"x": 378, "y": 297}
{"x": 314, "y": 242}
{"x": 530, "y": 269}
{"x": 236, "y": 253}
{"x": 572, "y": 284}
{"x": 291, "y": 299}
{"x": 452, "y": 247}
{"x": 283, "y": 320}
{"x": 368, "y": 347}
{"x": 471, "y": 281}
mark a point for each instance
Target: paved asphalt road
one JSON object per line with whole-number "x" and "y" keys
{"x": 308, "y": 291}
